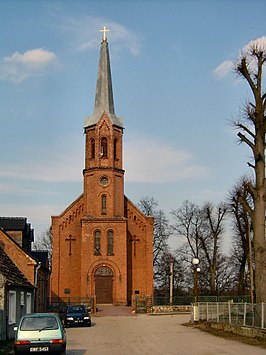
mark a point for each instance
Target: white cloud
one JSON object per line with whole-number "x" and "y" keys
{"x": 223, "y": 69}
{"x": 19, "y": 67}
{"x": 52, "y": 163}
{"x": 259, "y": 43}
{"x": 83, "y": 34}
{"x": 54, "y": 167}
{"x": 226, "y": 67}
{"x": 154, "y": 162}
{"x": 145, "y": 161}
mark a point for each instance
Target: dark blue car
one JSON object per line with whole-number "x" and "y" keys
{"x": 76, "y": 315}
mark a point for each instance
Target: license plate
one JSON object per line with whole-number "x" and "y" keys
{"x": 39, "y": 348}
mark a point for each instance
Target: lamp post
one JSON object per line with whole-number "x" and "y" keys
{"x": 195, "y": 263}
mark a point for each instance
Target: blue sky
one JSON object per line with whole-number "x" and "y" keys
{"x": 172, "y": 83}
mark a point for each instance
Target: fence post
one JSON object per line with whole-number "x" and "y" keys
{"x": 207, "y": 312}
{"x": 217, "y": 312}
{"x": 245, "y": 313}
{"x": 229, "y": 311}
{"x": 262, "y": 315}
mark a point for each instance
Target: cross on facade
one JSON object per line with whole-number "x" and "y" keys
{"x": 70, "y": 240}
{"x": 134, "y": 240}
{"x": 104, "y": 33}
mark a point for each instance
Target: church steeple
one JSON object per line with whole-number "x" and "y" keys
{"x": 104, "y": 101}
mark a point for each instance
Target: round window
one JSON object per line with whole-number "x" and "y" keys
{"x": 104, "y": 181}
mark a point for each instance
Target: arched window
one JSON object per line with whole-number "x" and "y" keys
{"x": 104, "y": 147}
{"x": 97, "y": 243}
{"x": 92, "y": 148}
{"x": 110, "y": 250}
{"x": 103, "y": 204}
{"x": 115, "y": 149}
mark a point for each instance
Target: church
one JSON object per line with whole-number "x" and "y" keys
{"x": 102, "y": 243}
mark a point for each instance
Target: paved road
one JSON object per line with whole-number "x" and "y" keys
{"x": 143, "y": 334}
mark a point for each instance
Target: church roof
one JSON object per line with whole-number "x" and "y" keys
{"x": 104, "y": 101}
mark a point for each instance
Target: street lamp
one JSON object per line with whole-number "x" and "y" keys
{"x": 195, "y": 263}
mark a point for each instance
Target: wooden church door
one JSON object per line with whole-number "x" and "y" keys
{"x": 104, "y": 285}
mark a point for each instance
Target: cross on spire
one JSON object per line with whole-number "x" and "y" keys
{"x": 104, "y": 30}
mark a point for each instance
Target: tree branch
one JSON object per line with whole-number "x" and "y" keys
{"x": 240, "y": 125}
{"x": 247, "y": 141}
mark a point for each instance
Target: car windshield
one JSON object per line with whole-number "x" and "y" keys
{"x": 39, "y": 323}
{"x": 77, "y": 309}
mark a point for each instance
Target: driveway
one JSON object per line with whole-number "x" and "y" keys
{"x": 144, "y": 334}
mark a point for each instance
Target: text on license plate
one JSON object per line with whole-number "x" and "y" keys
{"x": 39, "y": 348}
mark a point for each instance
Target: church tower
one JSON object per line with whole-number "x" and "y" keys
{"x": 103, "y": 173}
{"x": 102, "y": 244}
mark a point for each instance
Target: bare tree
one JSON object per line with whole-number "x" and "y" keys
{"x": 148, "y": 206}
{"x": 202, "y": 230}
{"x": 240, "y": 251}
{"x": 252, "y": 128}
{"x": 188, "y": 224}
{"x": 44, "y": 243}
{"x": 211, "y": 238}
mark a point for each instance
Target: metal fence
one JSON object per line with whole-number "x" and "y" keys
{"x": 186, "y": 300}
{"x": 58, "y": 304}
{"x": 239, "y": 314}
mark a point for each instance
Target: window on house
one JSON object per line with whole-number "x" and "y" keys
{"x": 92, "y": 148}
{"x": 22, "y": 300}
{"x": 28, "y": 303}
{"x": 11, "y": 307}
{"x": 110, "y": 243}
{"x": 97, "y": 243}
{"x": 104, "y": 147}
{"x": 103, "y": 204}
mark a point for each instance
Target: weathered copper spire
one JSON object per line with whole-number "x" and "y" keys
{"x": 104, "y": 101}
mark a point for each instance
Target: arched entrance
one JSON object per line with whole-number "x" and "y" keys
{"x": 104, "y": 284}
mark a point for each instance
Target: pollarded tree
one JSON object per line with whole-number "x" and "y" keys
{"x": 252, "y": 128}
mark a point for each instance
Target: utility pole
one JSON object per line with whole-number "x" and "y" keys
{"x": 171, "y": 279}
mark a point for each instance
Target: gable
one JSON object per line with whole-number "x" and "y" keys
{"x": 24, "y": 262}
{"x": 11, "y": 272}
{"x": 135, "y": 214}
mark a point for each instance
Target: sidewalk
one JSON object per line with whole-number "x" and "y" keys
{"x": 112, "y": 310}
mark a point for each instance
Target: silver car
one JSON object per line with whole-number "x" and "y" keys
{"x": 40, "y": 333}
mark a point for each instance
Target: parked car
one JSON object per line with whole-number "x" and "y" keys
{"x": 40, "y": 333}
{"x": 76, "y": 315}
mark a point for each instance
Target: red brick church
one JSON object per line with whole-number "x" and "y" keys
{"x": 102, "y": 243}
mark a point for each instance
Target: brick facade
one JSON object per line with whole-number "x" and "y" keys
{"x": 35, "y": 272}
{"x": 75, "y": 261}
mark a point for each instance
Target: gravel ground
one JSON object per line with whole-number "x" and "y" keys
{"x": 144, "y": 334}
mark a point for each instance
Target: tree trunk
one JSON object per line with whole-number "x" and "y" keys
{"x": 259, "y": 235}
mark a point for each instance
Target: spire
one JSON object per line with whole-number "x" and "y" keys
{"x": 104, "y": 93}
{"x": 104, "y": 101}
